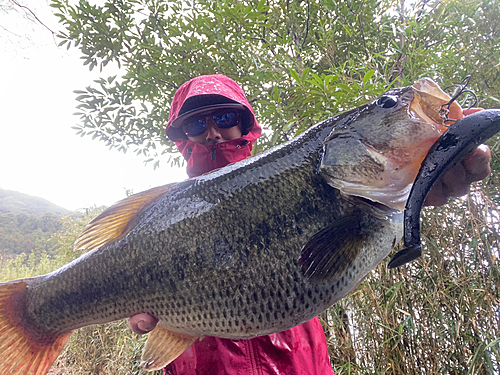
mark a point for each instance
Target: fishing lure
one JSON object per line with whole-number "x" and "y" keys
{"x": 460, "y": 89}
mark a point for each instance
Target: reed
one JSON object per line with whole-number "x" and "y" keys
{"x": 437, "y": 315}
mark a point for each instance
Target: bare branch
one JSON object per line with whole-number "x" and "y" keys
{"x": 33, "y": 14}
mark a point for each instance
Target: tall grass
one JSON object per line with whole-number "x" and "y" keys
{"x": 437, "y": 315}
{"x": 103, "y": 349}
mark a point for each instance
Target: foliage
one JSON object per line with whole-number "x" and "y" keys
{"x": 103, "y": 349}
{"x": 438, "y": 315}
{"x": 100, "y": 349}
{"x": 61, "y": 251}
{"x": 27, "y": 224}
{"x": 22, "y": 233}
{"x": 300, "y": 62}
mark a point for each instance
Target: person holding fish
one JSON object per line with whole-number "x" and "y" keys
{"x": 213, "y": 124}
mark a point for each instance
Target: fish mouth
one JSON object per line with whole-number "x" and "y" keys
{"x": 428, "y": 102}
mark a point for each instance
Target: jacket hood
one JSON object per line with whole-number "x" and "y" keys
{"x": 205, "y": 91}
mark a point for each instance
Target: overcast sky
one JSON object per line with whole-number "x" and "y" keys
{"x": 40, "y": 154}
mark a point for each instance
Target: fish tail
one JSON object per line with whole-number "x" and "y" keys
{"x": 22, "y": 349}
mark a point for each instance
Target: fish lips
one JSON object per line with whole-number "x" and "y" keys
{"x": 429, "y": 100}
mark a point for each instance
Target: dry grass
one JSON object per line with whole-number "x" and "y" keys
{"x": 102, "y": 349}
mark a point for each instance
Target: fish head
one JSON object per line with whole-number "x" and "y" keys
{"x": 376, "y": 152}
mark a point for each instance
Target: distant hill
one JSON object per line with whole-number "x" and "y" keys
{"x": 27, "y": 224}
{"x": 15, "y": 203}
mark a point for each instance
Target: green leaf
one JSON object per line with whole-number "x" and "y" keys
{"x": 262, "y": 7}
{"x": 367, "y": 77}
{"x": 344, "y": 87}
{"x": 275, "y": 94}
{"x": 305, "y": 73}
{"x": 81, "y": 97}
{"x": 295, "y": 75}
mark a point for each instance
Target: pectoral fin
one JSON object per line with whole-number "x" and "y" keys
{"x": 330, "y": 252}
{"x": 163, "y": 346}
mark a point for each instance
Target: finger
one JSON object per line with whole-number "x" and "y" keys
{"x": 142, "y": 323}
{"x": 470, "y": 111}
{"x": 455, "y": 182}
{"x": 436, "y": 196}
{"x": 477, "y": 163}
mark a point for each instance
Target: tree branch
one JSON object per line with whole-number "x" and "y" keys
{"x": 307, "y": 23}
{"x": 33, "y": 14}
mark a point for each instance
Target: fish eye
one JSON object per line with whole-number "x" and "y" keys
{"x": 387, "y": 101}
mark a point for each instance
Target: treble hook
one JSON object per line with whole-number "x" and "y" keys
{"x": 461, "y": 88}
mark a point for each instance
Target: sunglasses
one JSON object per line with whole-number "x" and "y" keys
{"x": 223, "y": 118}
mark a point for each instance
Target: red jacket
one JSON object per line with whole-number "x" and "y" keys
{"x": 299, "y": 350}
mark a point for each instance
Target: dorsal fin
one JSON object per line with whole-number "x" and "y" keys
{"x": 117, "y": 220}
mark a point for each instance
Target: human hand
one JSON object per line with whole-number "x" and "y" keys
{"x": 456, "y": 182}
{"x": 142, "y": 323}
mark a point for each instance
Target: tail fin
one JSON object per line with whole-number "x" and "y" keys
{"x": 20, "y": 353}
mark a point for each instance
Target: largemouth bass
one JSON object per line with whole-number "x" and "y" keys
{"x": 251, "y": 249}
